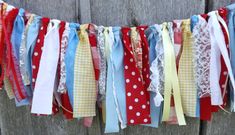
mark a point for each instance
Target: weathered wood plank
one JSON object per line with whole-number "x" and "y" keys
{"x": 131, "y": 12}
{"x": 17, "y": 3}
{"x": 215, "y": 4}
{"x": 57, "y": 9}
{"x": 85, "y": 11}
{"x": 222, "y": 124}
{"x": 192, "y": 128}
{"x": 19, "y": 121}
{"x": 14, "y": 120}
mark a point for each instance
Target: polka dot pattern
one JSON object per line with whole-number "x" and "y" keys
{"x": 136, "y": 79}
{"x": 37, "y": 52}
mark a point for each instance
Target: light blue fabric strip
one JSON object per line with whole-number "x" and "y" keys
{"x": 70, "y": 57}
{"x": 119, "y": 81}
{"x": 231, "y": 24}
{"x": 16, "y": 38}
{"x": 30, "y": 43}
{"x": 17, "y": 32}
{"x": 111, "y": 113}
{"x": 154, "y": 111}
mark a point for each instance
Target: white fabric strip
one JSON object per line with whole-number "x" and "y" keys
{"x": 218, "y": 47}
{"x": 43, "y": 93}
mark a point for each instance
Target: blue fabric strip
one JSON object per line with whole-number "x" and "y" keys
{"x": 154, "y": 111}
{"x": 30, "y": 43}
{"x": 16, "y": 38}
{"x": 111, "y": 113}
{"x": 231, "y": 24}
{"x": 70, "y": 58}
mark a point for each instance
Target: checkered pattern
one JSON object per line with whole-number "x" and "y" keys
{"x": 84, "y": 78}
{"x": 186, "y": 77}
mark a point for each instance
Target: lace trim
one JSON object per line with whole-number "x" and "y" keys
{"x": 201, "y": 57}
{"x": 157, "y": 66}
{"x": 103, "y": 64}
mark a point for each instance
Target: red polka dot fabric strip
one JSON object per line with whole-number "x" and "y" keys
{"x": 137, "y": 97}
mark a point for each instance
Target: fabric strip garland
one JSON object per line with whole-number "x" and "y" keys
{"x": 140, "y": 75}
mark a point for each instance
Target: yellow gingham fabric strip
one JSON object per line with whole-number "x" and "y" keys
{"x": 186, "y": 76}
{"x": 84, "y": 78}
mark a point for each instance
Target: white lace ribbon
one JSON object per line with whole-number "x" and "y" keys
{"x": 218, "y": 47}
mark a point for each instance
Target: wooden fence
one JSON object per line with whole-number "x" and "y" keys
{"x": 19, "y": 121}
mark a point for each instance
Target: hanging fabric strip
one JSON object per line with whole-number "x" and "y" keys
{"x": 43, "y": 92}
{"x": 23, "y": 52}
{"x": 201, "y": 55}
{"x": 64, "y": 37}
{"x": 205, "y": 102}
{"x": 171, "y": 79}
{"x": 176, "y": 33}
{"x": 12, "y": 67}
{"x": 16, "y": 40}
{"x": 231, "y": 25}
{"x": 103, "y": 64}
{"x": 2, "y": 44}
{"x": 156, "y": 68}
{"x": 218, "y": 42}
{"x": 32, "y": 35}
{"x": 38, "y": 49}
{"x": 96, "y": 61}
{"x": 224, "y": 77}
{"x": 186, "y": 76}
{"x": 84, "y": 78}
{"x": 70, "y": 58}
{"x": 194, "y": 25}
{"x": 155, "y": 47}
{"x": 94, "y": 52}
{"x": 111, "y": 111}
{"x": 137, "y": 97}
{"x": 115, "y": 92}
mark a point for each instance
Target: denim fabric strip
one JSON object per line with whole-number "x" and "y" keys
{"x": 231, "y": 25}
{"x": 69, "y": 58}
{"x": 152, "y": 40}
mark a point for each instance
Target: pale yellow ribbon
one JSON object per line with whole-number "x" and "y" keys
{"x": 171, "y": 79}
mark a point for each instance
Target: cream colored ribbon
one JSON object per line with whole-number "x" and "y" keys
{"x": 171, "y": 79}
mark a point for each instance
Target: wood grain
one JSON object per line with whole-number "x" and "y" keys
{"x": 57, "y": 9}
{"x": 132, "y": 12}
{"x": 215, "y": 4}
